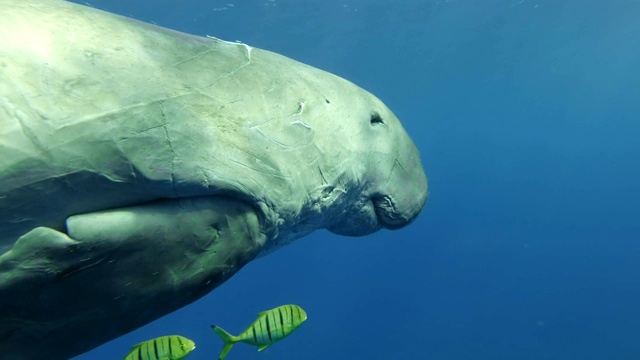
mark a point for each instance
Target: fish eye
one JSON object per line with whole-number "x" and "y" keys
{"x": 376, "y": 119}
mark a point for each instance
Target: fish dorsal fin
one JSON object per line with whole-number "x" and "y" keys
{"x": 263, "y": 347}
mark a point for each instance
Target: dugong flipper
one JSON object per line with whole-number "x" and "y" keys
{"x": 180, "y": 250}
{"x": 141, "y": 167}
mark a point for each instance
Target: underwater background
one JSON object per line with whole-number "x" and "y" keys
{"x": 527, "y": 116}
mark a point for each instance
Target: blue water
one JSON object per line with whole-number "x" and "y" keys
{"x": 527, "y": 116}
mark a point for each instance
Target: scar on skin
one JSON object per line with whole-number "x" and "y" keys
{"x": 301, "y": 105}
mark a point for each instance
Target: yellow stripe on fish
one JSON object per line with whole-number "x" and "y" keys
{"x": 170, "y": 347}
{"x": 270, "y": 326}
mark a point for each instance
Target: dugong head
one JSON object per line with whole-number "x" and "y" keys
{"x": 344, "y": 161}
{"x": 386, "y": 167}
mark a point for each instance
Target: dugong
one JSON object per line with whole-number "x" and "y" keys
{"x": 142, "y": 167}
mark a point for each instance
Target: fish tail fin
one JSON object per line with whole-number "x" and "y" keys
{"x": 228, "y": 339}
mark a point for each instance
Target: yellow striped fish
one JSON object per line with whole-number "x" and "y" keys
{"x": 170, "y": 347}
{"x": 271, "y": 326}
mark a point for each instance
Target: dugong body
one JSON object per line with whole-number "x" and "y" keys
{"x": 141, "y": 167}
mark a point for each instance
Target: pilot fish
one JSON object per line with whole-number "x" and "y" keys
{"x": 170, "y": 347}
{"x": 270, "y": 326}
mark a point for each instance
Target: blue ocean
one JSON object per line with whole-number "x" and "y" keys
{"x": 527, "y": 117}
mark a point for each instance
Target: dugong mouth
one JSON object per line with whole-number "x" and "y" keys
{"x": 389, "y": 216}
{"x": 378, "y": 211}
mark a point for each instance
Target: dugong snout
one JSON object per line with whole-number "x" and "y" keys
{"x": 404, "y": 194}
{"x": 393, "y": 207}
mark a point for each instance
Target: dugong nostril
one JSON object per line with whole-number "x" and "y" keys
{"x": 376, "y": 119}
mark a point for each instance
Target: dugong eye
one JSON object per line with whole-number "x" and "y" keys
{"x": 376, "y": 119}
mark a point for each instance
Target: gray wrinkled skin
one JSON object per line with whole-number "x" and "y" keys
{"x": 141, "y": 167}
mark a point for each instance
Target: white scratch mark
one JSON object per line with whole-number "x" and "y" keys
{"x": 272, "y": 139}
{"x": 301, "y": 123}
